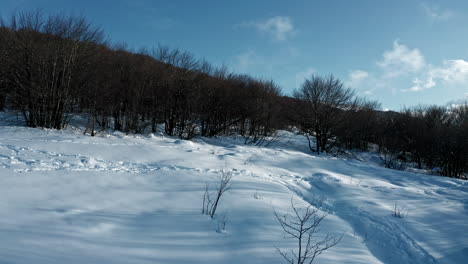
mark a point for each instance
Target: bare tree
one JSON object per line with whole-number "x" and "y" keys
{"x": 322, "y": 102}
{"x": 358, "y": 125}
{"x": 303, "y": 225}
{"x": 47, "y": 57}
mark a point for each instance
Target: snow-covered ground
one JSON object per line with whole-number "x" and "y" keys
{"x": 69, "y": 198}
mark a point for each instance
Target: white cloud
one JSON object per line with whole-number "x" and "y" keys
{"x": 279, "y": 27}
{"x": 402, "y": 65}
{"x": 401, "y": 60}
{"x": 420, "y": 85}
{"x": 359, "y": 79}
{"x": 451, "y": 72}
{"x": 366, "y": 82}
{"x": 244, "y": 61}
{"x": 357, "y": 76}
{"x": 435, "y": 13}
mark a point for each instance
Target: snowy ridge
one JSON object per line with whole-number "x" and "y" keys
{"x": 69, "y": 198}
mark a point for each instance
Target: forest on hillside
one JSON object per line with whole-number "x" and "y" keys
{"x": 54, "y": 66}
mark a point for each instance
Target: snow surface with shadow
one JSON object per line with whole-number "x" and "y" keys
{"x": 69, "y": 198}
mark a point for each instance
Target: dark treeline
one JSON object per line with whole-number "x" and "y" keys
{"x": 428, "y": 137}
{"x": 53, "y": 66}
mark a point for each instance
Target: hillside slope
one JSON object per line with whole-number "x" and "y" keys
{"x": 69, "y": 198}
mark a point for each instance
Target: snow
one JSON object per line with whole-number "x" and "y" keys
{"x": 115, "y": 198}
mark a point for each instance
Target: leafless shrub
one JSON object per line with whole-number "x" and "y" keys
{"x": 303, "y": 225}
{"x": 390, "y": 160}
{"x": 397, "y": 211}
{"x": 211, "y": 200}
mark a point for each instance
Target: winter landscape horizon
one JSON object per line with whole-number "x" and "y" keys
{"x": 250, "y": 132}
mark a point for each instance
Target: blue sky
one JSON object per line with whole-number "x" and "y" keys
{"x": 400, "y": 52}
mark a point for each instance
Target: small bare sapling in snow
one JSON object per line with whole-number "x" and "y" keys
{"x": 397, "y": 211}
{"x": 211, "y": 200}
{"x": 303, "y": 225}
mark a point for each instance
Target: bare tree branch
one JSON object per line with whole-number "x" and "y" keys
{"x": 303, "y": 224}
